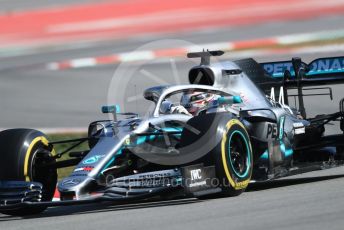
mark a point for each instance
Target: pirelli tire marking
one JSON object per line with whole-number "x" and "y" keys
{"x": 234, "y": 182}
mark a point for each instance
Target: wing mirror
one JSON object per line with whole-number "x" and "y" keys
{"x": 229, "y": 100}
{"x": 165, "y": 107}
{"x": 114, "y": 109}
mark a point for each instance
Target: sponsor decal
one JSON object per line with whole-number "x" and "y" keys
{"x": 277, "y": 69}
{"x": 84, "y": 169}
{"x": 78, "y": 169}
{"x": 298, "y": 125}
{"x": 155, "y": 182}
{"x": 198, "y": 184}
{"x": 327, "y": 65}
{"x": 154, "y": 175}
{"x": 319, "y": 66}
{"x": 196, "y": 178}
{"x": 196, "y": 174}
{"x": 78, "y": 175}
{"x": 71, "y": 182}
{"x": 300, "y": 131}
{"x": 93, "y": 159}
{"x": 299, "y": 128}
{"x": 271, "y": 131}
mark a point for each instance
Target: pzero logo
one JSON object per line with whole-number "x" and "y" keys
{"x": 93, "y": 159}
{"x": 196, "y": 174}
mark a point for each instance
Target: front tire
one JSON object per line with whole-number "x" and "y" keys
{"x": 234, "y": 159}
{"x": 231, "y": 152}
{"x": 21, "y": 150}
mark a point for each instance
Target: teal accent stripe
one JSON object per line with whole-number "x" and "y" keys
{"x": 265, "y": 155}
{"x": 310, "y": 73}
{"x": 288, "y": 152}
{"x": 281, "y": 128}
{"x": 237, "y": 100}
{"x": 325, "y": 71}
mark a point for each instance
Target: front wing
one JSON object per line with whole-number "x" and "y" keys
{"x": 189, "y": 181}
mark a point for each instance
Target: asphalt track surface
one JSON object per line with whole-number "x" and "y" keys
{"x": 31, "y": 96}
{"x": 309, "y": 201}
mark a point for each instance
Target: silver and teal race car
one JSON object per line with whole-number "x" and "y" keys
{"x": 239, "y": 136}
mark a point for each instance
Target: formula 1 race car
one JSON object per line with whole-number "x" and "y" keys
{"x": 236, "y": 134}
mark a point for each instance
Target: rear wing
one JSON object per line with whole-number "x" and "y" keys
{"x": 321, "y": 71}
{"x": 295, "y": 74}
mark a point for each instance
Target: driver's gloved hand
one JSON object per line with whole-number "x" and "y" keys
{"x": 179, "y": 109}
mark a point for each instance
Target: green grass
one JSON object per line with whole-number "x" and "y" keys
{"x": 59, "y": 148}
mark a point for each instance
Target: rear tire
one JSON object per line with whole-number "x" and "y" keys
{"x": 19, "y": 158}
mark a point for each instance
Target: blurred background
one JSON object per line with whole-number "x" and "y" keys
{"x": 60, "y": 60}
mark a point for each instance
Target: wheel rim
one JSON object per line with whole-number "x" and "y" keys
{"x": 239, "y": 154}
{"x": 41, "y": 175}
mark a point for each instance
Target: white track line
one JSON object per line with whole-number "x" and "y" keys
{"x": 181, "y": 51}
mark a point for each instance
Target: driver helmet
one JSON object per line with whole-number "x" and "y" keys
{"x": 196, "y": 101}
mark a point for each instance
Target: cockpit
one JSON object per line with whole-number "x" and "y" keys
{"x": 190, "y": 100}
